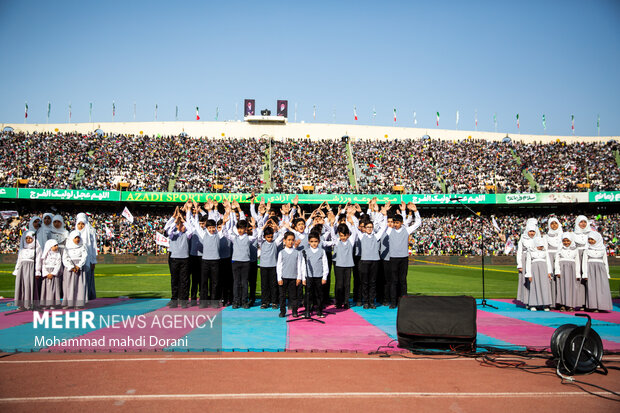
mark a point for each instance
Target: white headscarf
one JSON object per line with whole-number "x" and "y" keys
{"x": 578, "y": 229}
{"x": 31, "y": 223}
{"x": 571, "y": 237}
{"x": 539, "y": 242}
{"x": 599, "y": 245}
{"x": 531, "y": 225}
{"x": 62, "y": 229}
{"x": 528, "y": 228}
{"x": 48, "y": 248}
{"x": 554, "y": 232}
{"x": 70, "y": 244}
{"x": 28, "y": 245}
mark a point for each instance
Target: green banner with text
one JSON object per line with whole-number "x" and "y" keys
{"x": 422, "y": 199}
{"x": 68, "y": 194}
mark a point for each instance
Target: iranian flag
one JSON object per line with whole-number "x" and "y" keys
{"x": 394, "y": 115}
{"x": 26, "y": 112}
{"x": 517, "y": 121}
{"x": 572, "y": 123}
{"x": 437, "y": 118}
{"x": 197, "y": 115}
{"x": 355, "y": 112}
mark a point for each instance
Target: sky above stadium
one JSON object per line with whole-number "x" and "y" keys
{"x": 557, "y": 58}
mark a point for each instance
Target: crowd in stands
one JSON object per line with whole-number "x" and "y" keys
{"x": 321, "y": 163}
{"x": 441, "y": 233}
{"x": 562, "y": 167}
{"x": 236, "y": 164}
{"x": 151, "y": 163}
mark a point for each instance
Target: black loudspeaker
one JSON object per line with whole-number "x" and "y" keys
{"x": 436, "y": 322}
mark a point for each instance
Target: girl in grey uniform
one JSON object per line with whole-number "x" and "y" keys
{"x": 49, "y": 267}
{"x": 567, "y": 269}
{"x": 581, "y": 231}
{"x": 74, "y": 260}
{"x": 538, "y": 270}
{"x": 29, "y": 253}
{"x": 553, "y": 241}
{"x": 526, "y": 243}
{"x": 596, "y": 271}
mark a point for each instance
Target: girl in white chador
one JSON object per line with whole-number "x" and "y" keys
{"x": 74, "y": 259}
{"x": 49, "y": 268}
{"x": 568, "y": 272}
{"x": 26, "y": 292}
{"x": 595, "y": 269}
{"x": 526, "y": 242}
{"x": 539, "y": 272}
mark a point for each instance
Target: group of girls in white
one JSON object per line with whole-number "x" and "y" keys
{"x": 561, "y": 270}
{"x": 215, "y": 254}
{"x": 55, "y": 267}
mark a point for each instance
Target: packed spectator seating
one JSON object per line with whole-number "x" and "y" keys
{"x": 154, "y": 163}
{"x": 320, "y": 163}
{"x": 236, "y": 164}
{"x": 562, "y": 167}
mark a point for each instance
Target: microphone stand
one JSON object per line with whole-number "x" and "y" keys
{"x": 483, "y": 303}
{"x": 306, "y": 297}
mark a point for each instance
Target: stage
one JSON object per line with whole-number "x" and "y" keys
{"x": 119, "y": 323}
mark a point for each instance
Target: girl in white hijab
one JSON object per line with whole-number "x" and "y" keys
{"x": 74, "y": 260}
{"x": 26, "y": 292}
{"x": 596, "y": 271}
{"x": 46, "y": 227}
{"x": 538, "y": 271}
{"x": 526, "y": 242}
{"x": 49, "y": 267}
{"x": 567, "y": 269}
{"x": 58, "y": 232}
{"x": 34, "y": 225}
{"x": 553, "y": 242}
{"x": 89, "y": 237}
{"x": 581, "y": 231}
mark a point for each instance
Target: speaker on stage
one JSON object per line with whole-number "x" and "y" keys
{"x": 436, "y": 322}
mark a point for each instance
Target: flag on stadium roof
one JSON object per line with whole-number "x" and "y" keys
{"x": 517, "y": 121}
{"x": 572, "y": 123}
{"x": 197, "y": 114}
{"x": 437, "y": 118}
{"x": 26, "y": 112}
{"x": 394, "y": 114}
{"x": 355, "y": 112}
{"x": 544, "y": 122}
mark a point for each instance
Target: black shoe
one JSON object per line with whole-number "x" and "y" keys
{"x": 372, "y": 306}
{"x": 184, "y": 304}
{"x": 295, "y": 313}
{"x": 173, "y": 304}
{"x": 320, "y": 314}
{"x": 307, "y": 314}
{"x": 359, "y": 303}
{"x": 264, "y": 306}
{"x": 346, "y": 306}
{"x": 203, "y": 304}
{"x": 282, "y": 314}
{"x": 392, "y": 306}
{"x": 274, "y": 306}
{"x": 366, "y": 306}
{"x": 338, "y": 305}
{"x": 385, "y": 304}
{"x": 246, "y": 306}
{"x": 235, "y": 306}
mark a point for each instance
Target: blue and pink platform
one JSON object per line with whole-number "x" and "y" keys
{"x": 255, "y": 329}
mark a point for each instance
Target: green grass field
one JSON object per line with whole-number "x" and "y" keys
{"x": 153, "y": 280}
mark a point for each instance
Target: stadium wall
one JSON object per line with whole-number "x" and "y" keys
{"x": 240, "y": 129}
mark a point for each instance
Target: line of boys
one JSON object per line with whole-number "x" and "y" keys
{"x": 564, "y": 270}
{"x": 217, "y": 253}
